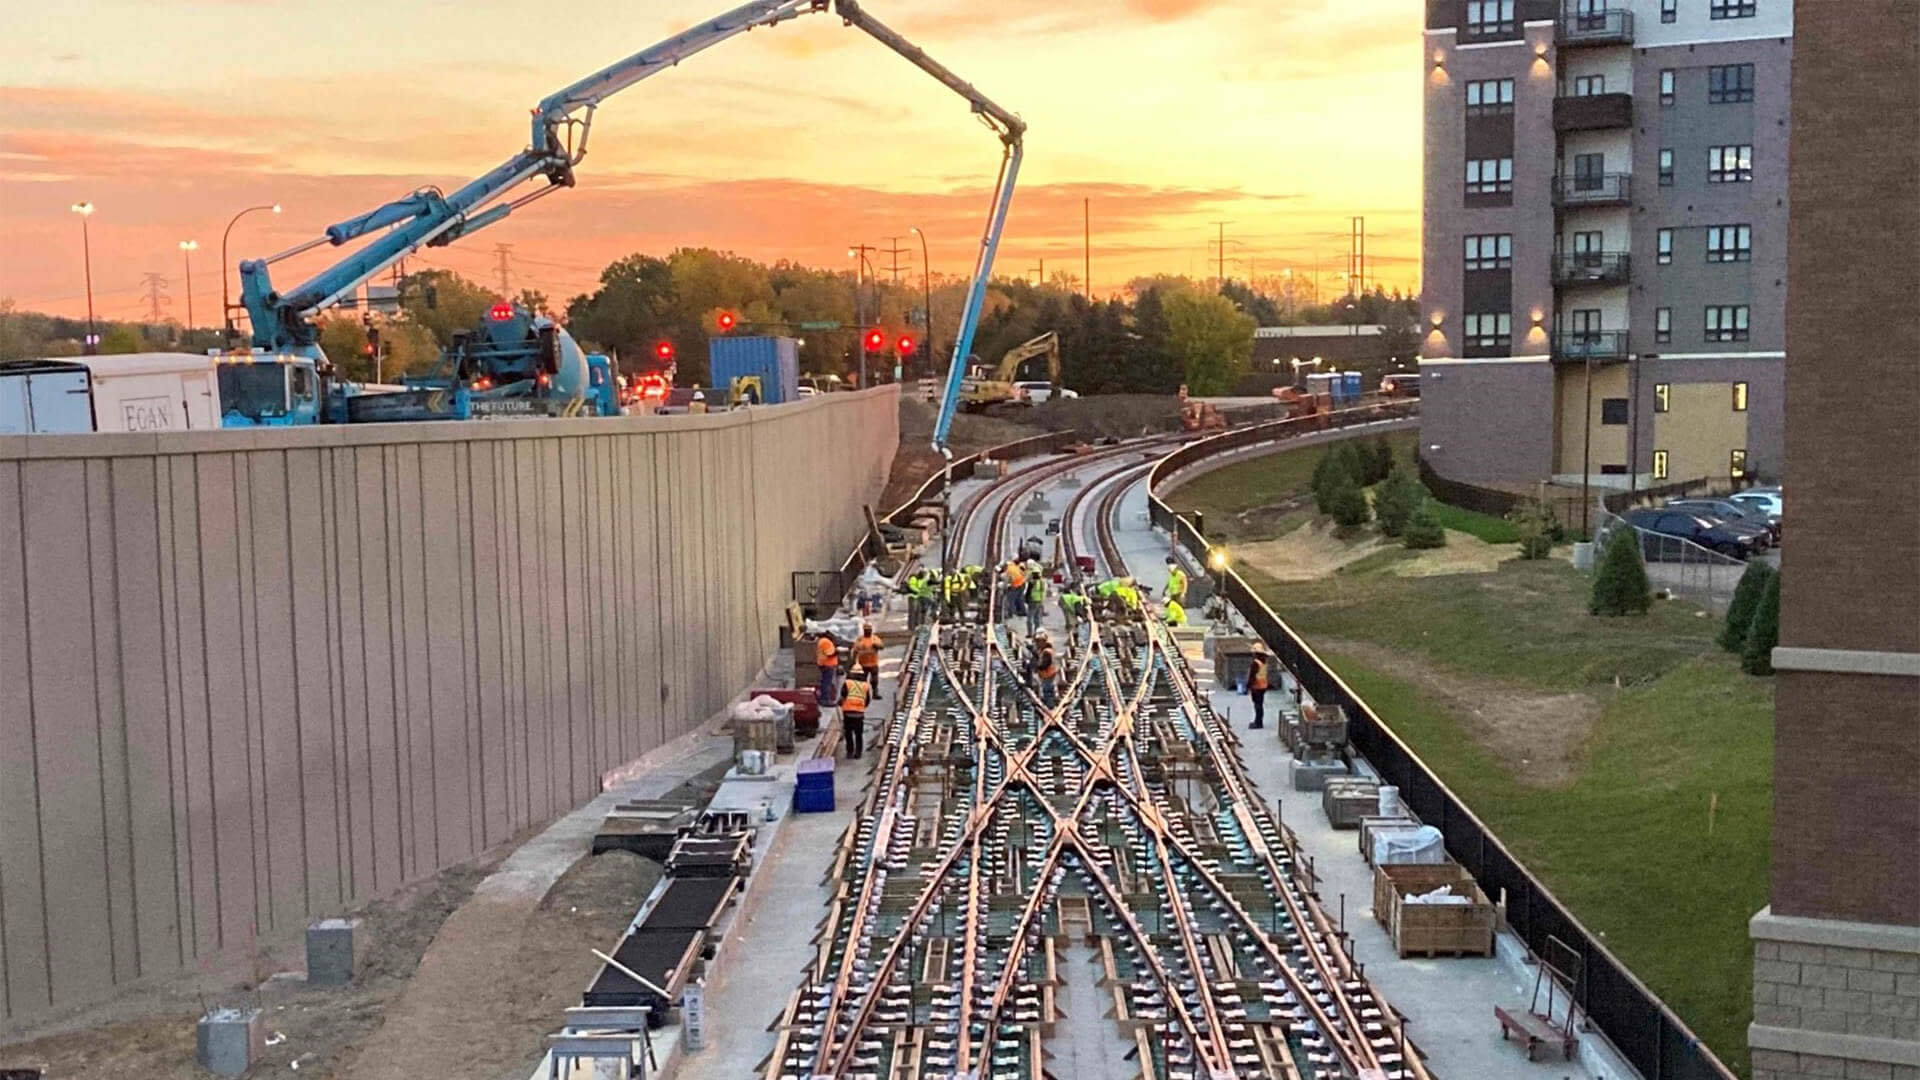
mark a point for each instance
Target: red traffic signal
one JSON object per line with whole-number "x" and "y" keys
{"x": 876, "y": 340}
{"x": 664, "y": 350}
{"x": 905, "y": 345}
{"x": 500, "y": 312}
{"x": 726, "y": 321}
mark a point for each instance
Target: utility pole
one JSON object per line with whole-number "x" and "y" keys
{"x": 506, "y": 282}
{"x": 156, "y": 294}
{"x": 1222, "y": 226}
{"x": 1086, "y": 219}
{"x": 1357, "y": 257}
{"x": 187, "y": 248}
{"x": 896, "y": 251}
{"x": 860, "y": 252}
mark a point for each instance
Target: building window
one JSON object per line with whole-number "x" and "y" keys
{"x": 1587, "y": 249}
{"x": 1662, "y": 328}
{"x": 1739, "y": 397}
{"x": 1490, "y": 330}
{"x": 1613, "y": 410}
{"x": 1490, "y": 252}
{"x": 1666, "y": 86}
{"x": 1730, "y": 164}
{"x": 1485, "y": 17}
{"x": 1664, "y": 247}
{"x": 1666, "y": 167}
{"x": 1729, "y": 243}
{"x": 1589, "y": 85}
{"x": 1662, "y": 395}
{"x": 1729, "y": 83}
{"x": 1725, "y": 9}
{"x": 1490, "y": 97}
{"x": 1727, "y": 322}
{"x": 1613, "y": 470}
{"x": 1489, "y": 176}
{"x": 1669, "y": 11}
{"x": 1659, "y": 464}
{"x": 1737, "y": 464}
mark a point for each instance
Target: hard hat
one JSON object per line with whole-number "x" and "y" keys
{"x": 699, "y": 395}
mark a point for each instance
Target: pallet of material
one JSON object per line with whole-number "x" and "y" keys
{"x": 1323, "y": 724}
{"x": 1349, "y": 800}
{"x": 646, "y": 828}
{"x": 1459, "y": 922}
{"x": 1372, "y": 826}
{"x": 691, "y": 904}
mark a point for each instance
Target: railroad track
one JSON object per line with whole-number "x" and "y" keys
{"x": 1003, "y": 843}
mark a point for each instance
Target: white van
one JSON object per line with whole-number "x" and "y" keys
{"x": 45, "y": 396}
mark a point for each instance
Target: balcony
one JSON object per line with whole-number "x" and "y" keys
{"x": 1595, "y": 346}
{"x": 1577, "y": 27}
{"x": 1592, "y": 189}
{"x": 1576, "y": 268}
{"x": 1592, "y": 112}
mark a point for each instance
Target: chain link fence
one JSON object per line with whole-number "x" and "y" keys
{"x": 1678, "y": 565}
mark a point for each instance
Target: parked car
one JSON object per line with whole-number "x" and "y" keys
{"x": 1731, "y": 538}
{"x": 1767, "y": 499}
{"x": 1728, "y": 509}
{"x": 1033, "y": 393}
{"x": 1404, "y": 384}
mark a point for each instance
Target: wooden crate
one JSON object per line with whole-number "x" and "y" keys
{"x": 1433, "y": 929}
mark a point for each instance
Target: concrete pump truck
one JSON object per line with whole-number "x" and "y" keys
{"x": 515, "y": 363}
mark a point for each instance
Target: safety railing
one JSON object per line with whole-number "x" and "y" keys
{"x": 1641, "y": 1026}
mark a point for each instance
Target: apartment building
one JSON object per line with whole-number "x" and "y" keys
{"x": 1605, "y": 257}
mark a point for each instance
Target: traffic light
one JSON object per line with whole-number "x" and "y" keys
{"x": 726, "y": 321}
{"x": 876, "y": 340}
{"x": 663, "y": 352}
{"x": 904, "y": 347}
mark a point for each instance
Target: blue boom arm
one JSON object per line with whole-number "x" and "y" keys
{"x": 429, "y": 218}
{"x": 1012, "y": 132}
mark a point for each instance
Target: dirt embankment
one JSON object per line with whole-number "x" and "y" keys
{"x": 464, "y": 985}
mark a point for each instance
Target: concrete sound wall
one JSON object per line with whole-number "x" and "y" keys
{"x": 250, "y": 679}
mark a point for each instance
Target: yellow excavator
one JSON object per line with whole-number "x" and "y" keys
{"x": 980, "y": 391}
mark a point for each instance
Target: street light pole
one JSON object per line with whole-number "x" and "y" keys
{"x": 926, "y": 276}
{"x": 187, "y": 248}
{"x": 226, "y": 304}
{"x": 85, "y": 210}
{"x": 859, "y": 308}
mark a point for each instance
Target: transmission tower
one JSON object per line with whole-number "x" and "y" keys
{"x": 157, "y": 298}
{"x": 504, "y": 251}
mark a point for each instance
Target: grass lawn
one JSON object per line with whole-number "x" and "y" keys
{"x": 1494, "y": 530}
{"x": 1262, "y": 481}
{"x": 1681, "y": 737}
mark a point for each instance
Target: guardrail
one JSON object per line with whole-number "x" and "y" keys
{"x": 1641, "y": 1026}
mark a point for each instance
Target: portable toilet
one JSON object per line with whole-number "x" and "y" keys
{"x": 1350, "y": 386}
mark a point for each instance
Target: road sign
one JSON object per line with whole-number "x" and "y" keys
{"x": 819, "y": 326}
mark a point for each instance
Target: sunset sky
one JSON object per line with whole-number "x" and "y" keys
{"x": 1281, "y": 117}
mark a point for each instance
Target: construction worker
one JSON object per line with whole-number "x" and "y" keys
{"x": 1107, "y": 593}
{"x": 1129, "y": 596}
{"x": 919, "y": 596}
{"x": 957, "y": 587}
{"x": 866, "y": 651}
{"x": 1016, "y": 592}
{"x": 1175, "y": 615}
{"x": 1176, "y": 581}
{"x": 1257, "y": 689}
{"x": 1036, "y": 597}
{"x": 1073, "y": 607}
{"x": 855, "y": 695}
{"x": 1046, "y": 670}
{"x": 826, "y": 654}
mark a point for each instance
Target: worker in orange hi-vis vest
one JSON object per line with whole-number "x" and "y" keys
{"x": 855, "y": 695}
{"x": 826, "y": 654}
{"x": 1257, "y": 689}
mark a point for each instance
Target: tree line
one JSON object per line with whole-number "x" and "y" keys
{"x": 1160, "y": 333}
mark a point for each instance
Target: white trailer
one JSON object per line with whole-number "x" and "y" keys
{"x": 45, "y": 396}
{"x": 133, "y": 392}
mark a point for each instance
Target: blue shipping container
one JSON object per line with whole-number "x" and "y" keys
{"x": 774, "y": 361}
